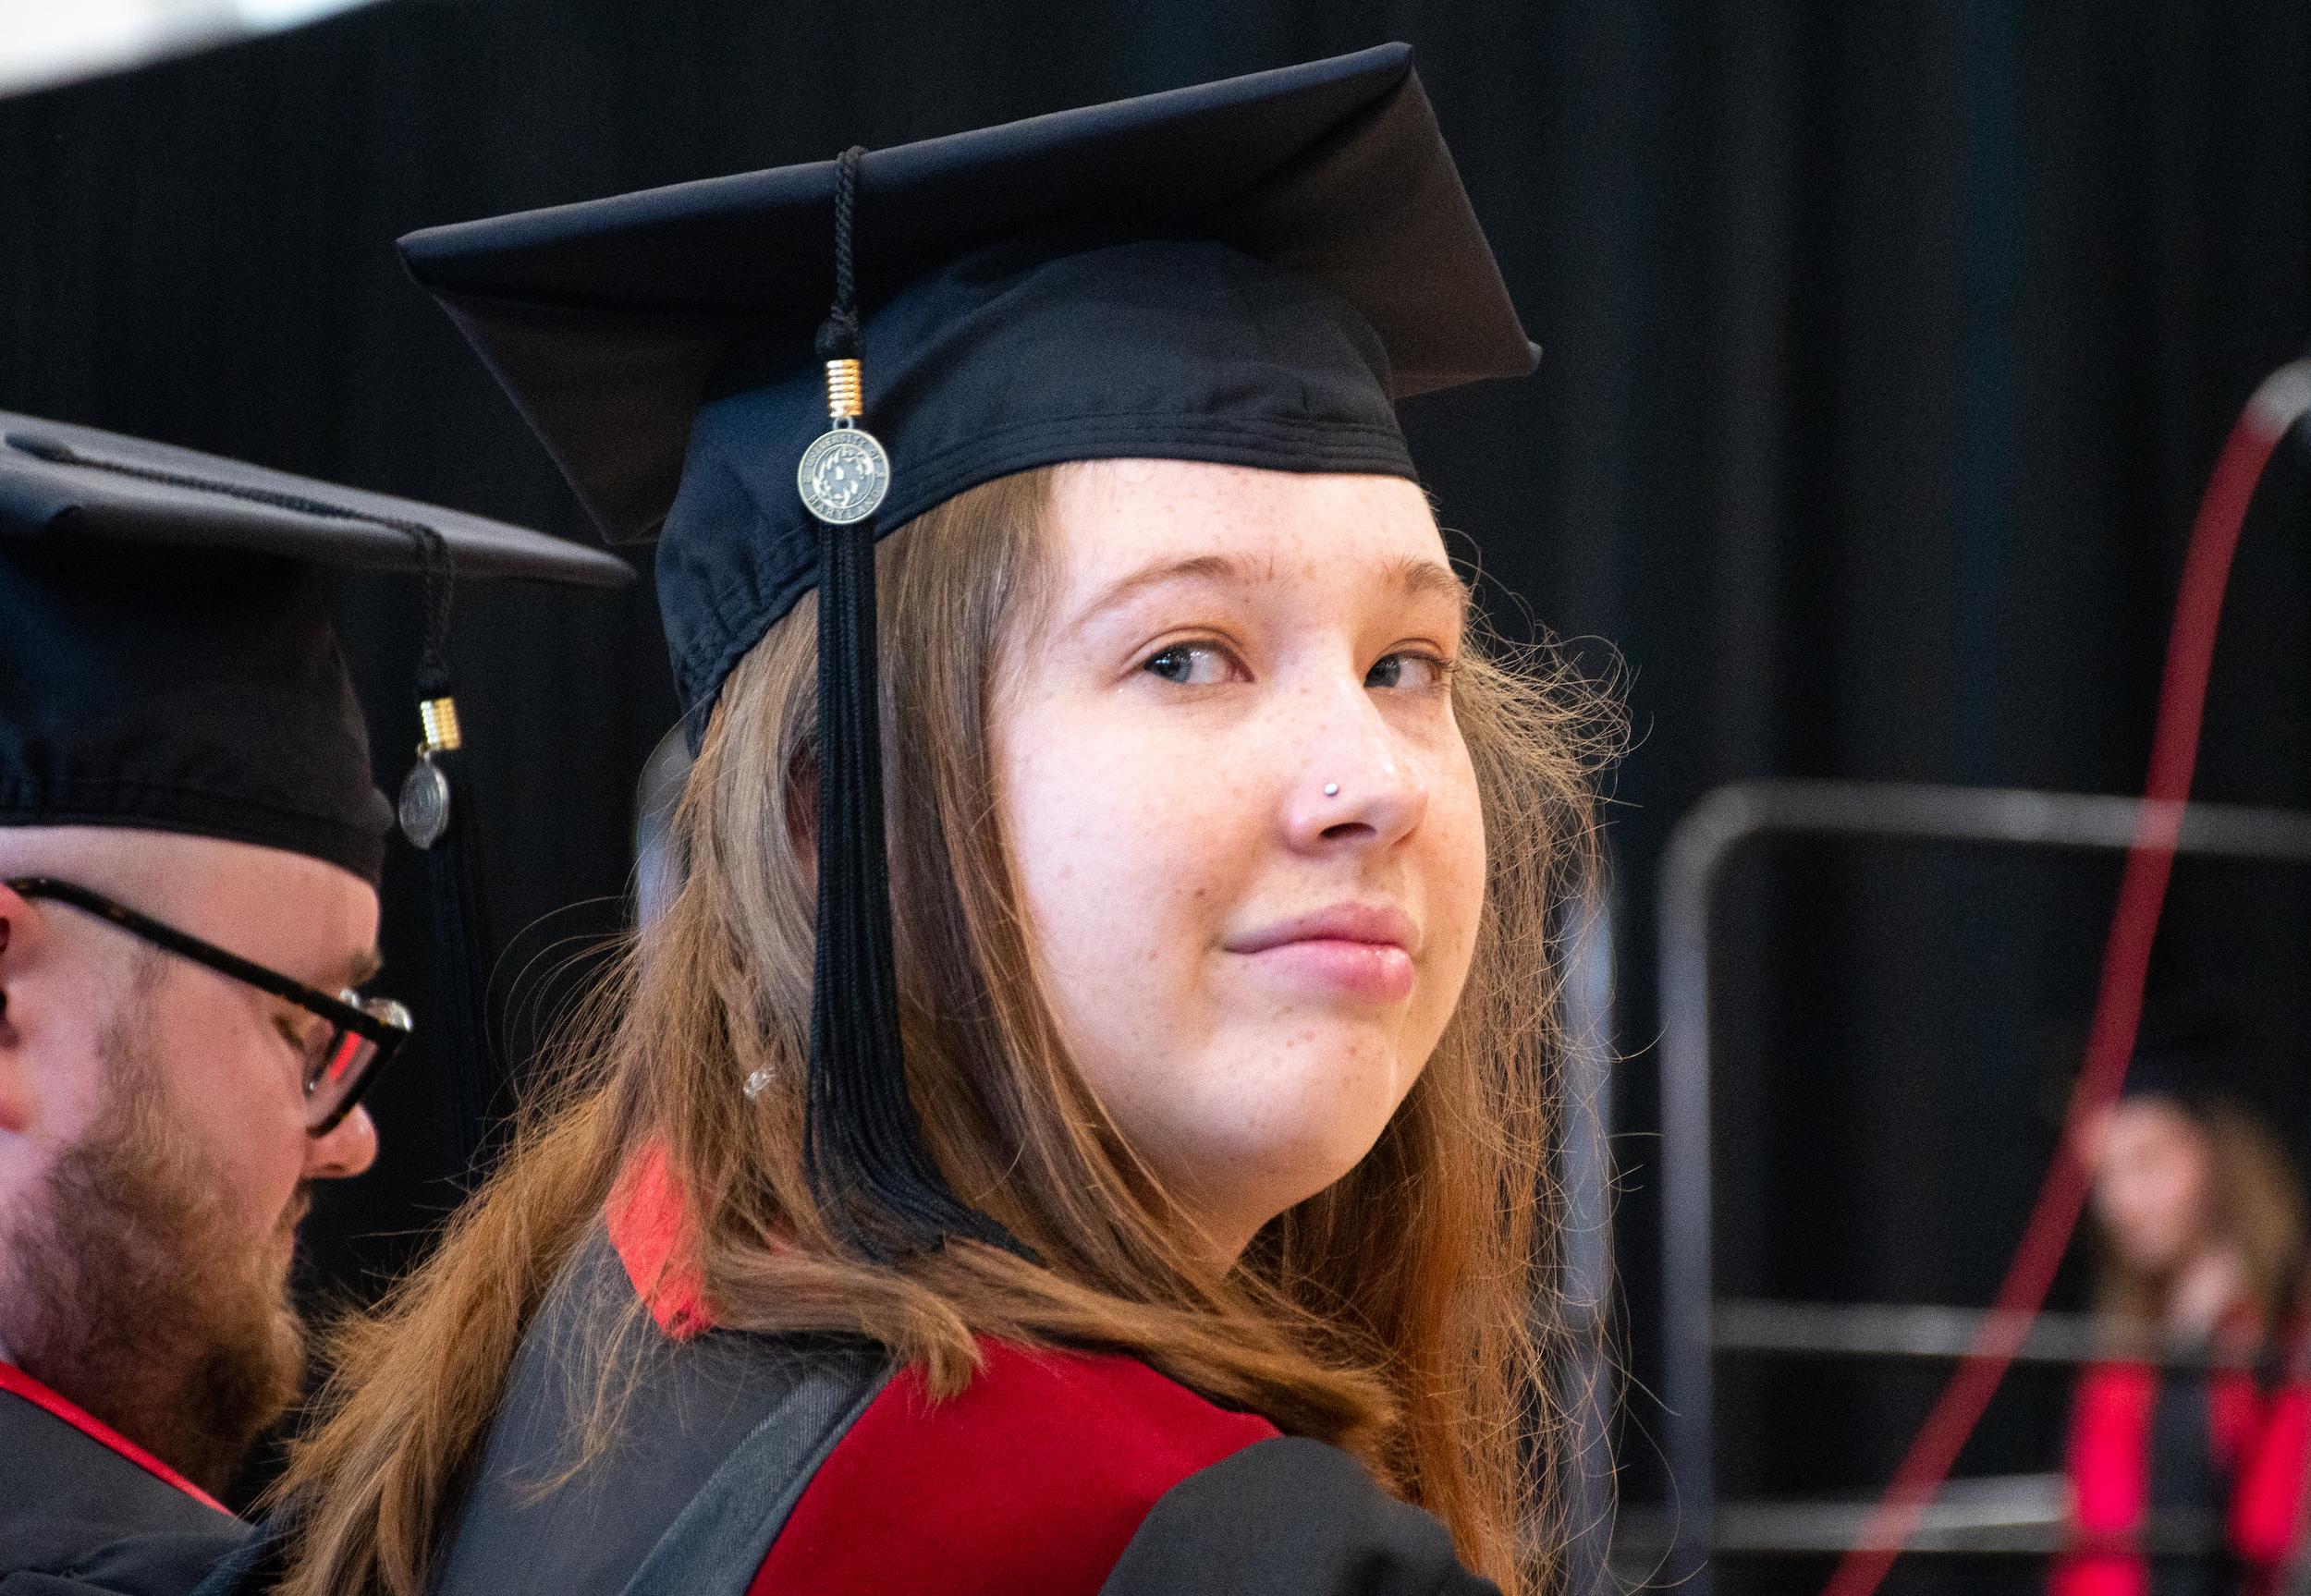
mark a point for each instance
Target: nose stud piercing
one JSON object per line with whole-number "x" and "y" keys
{"x": 1331, "y": 789}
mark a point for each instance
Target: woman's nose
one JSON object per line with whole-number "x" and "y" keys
{"x": 346, "y": 1149}
{"x": 1357, "y": 786}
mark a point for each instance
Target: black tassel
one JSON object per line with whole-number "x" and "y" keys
{"x": 462, "y": 949}
{"x": 436, "y": 814}
{"x": 862, "y": 1144}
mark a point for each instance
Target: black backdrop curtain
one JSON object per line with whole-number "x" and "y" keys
{"x": 1888, "y": 347}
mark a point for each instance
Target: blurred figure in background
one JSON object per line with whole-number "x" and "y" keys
{"x": 2189, "y": 1481}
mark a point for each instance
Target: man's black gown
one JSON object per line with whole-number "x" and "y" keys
{"x": 83, "y": 1510}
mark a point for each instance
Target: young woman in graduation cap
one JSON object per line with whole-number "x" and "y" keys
{"x": 1079, "y": 1126}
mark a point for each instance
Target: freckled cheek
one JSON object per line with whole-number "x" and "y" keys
{"x": 1125, "y": 910}
{"x": 1118, "y": 837}
{"x": 1455, "y": 870}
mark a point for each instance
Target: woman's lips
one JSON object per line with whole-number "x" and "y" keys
{"x": 1372, "y": 971}
{"x": 1350, "y": 950}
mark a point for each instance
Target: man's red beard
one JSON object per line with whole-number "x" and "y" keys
{"x": 130, "y": 1289}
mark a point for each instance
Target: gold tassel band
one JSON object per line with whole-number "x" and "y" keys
{"x": 844, "y": 390}
{"x": 440, "y": 718}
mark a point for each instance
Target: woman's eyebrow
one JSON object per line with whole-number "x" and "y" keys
{"x": 1159, "y": 573}
{"x": 1417, "y": 577}
{"x": 1414, "y": 577}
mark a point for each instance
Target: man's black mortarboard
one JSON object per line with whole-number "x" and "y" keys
{"x": 2202, "y": 1046}
{"x": 1248, "y": 271}
{"x": 166, "y": 661}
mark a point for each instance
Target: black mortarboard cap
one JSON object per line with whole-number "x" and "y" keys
{"x": 2200, "y": 1044}
{"x": 2206, "y": 1045}
{"x": 166, "y": 658}
{"x": 1250, "y": 272}
{"x": 166, "y": 661}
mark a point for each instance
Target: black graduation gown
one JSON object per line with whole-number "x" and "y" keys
{"x": 83, "y": 1510}
{"x": 751, "y": 1464}
{"x": 760, "y": 1466}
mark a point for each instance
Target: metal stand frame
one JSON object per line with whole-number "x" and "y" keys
{"x": 1586, "y": 1383}
{"x": 1721, "y": 824}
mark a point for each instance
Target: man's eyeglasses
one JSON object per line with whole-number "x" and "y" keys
{"x": 342, "y": 1055}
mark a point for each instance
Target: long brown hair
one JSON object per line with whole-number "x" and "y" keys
{"x": 1402, "y": 1314}
{"x": 2255, "y": 1205}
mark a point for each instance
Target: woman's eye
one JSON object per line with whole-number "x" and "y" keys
{"x": 1189, "y": 664}
{"x": 1419, "y": 673}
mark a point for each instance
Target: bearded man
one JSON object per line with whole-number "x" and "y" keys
{"x": 157, "y": 1141}
{"x": 190, "y": 840}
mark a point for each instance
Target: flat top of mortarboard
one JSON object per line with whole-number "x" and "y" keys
{"x": 56, "y": 477}
{"x": 607, "y": 320}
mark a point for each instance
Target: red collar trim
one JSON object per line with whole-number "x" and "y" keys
{"x": 650, "y": 1229}
{"x": 16, "y": 1381}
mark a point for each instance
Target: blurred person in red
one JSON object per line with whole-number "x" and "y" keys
{"x": 2185, "y": 1480}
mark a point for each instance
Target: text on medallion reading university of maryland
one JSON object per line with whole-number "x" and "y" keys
{"x": 843, "y": 475}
